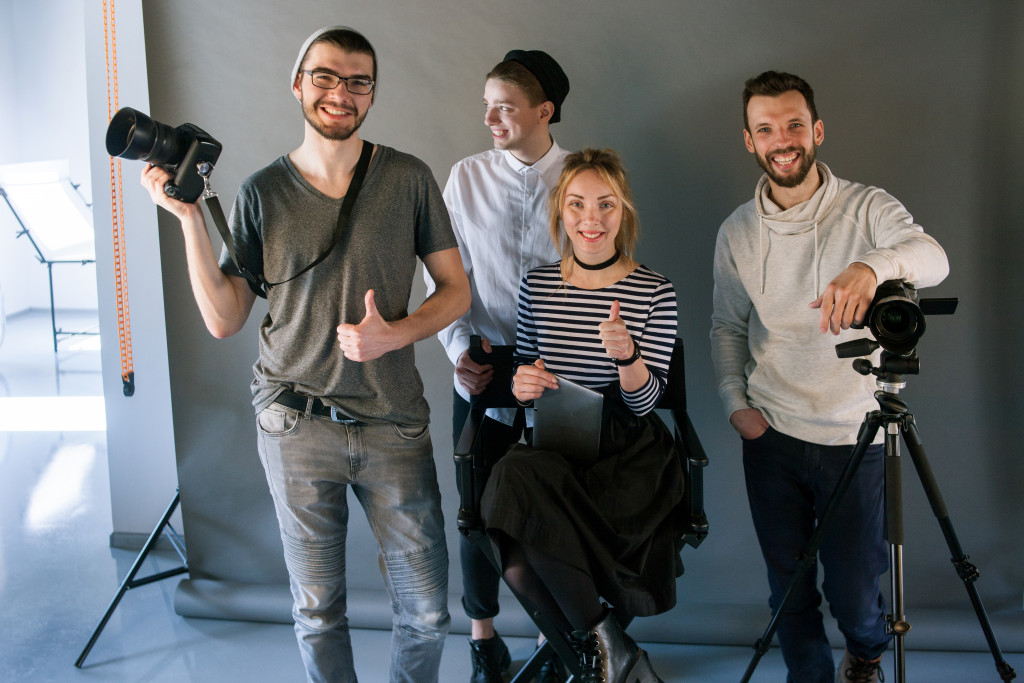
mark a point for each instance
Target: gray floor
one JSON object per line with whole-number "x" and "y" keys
{"x": 58, "y": 573}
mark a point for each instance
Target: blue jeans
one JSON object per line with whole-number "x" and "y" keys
{"x": 789, "y": 483}
{"x": 310, "y": 462}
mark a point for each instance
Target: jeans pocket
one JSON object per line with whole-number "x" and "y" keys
{"x": 758, "y": 439}
{"x": 275, "y": 420}
{"x": 411, "y": 432}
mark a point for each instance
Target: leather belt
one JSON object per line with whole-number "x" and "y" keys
{"x": 290, "y": 399}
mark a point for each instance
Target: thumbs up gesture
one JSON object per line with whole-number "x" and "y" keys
{"x": 614, "y": 335}
{"x": 370, "y": 339}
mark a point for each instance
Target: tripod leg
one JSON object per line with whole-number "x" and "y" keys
{"x": 809, "y": 555}
{"x": 897, "y": 621}
{"x": 53, "y": 312}
{"x": 968, "y": 573}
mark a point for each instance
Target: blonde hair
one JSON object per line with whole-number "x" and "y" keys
{"x": 610, "y": 169}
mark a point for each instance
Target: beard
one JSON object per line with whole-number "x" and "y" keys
{"x": 331, "y": 133}
{"x": 793, "y": 179}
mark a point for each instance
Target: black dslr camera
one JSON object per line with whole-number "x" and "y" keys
{"x": 187, "y": 151}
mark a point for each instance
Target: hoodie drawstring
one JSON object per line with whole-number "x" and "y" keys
{"x": 760, "y": 243}
{"x": 814, "y": 295}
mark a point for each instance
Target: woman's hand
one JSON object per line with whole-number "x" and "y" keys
{"x": 530, "y": 381}
{"x": 614, "y": 335}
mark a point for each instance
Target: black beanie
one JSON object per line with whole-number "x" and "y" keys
{"x": 552, "y": 79}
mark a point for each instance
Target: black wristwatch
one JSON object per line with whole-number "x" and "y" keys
{"x": 632, "y": 359}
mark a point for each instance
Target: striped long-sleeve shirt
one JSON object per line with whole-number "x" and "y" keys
{"x": 559, "y": 323}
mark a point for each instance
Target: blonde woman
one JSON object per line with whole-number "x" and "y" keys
{"x": 575, "y": 531}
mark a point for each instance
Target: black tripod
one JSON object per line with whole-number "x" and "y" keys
{"x": 895, "y": 417}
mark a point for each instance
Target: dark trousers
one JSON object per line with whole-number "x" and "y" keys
{"x": 479, "y": 578}
{"x": 789, "y": 483}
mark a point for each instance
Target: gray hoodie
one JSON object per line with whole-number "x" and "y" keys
{"x": 769, "y": 265}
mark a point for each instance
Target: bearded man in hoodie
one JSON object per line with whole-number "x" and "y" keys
{"x": 800, "y": 260}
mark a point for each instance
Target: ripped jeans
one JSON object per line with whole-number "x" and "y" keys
{"x": 310, "y": 462}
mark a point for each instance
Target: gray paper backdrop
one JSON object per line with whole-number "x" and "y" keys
{"x": 918, "y": 97}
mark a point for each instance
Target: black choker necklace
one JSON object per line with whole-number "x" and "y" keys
{"x": 597, "y": 266}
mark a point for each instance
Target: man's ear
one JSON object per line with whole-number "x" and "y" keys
{"x": 297, "y": 86}
{"x": 547, "y": 110}
{"x": 748, "y": 141}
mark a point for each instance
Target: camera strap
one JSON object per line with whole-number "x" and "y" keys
{"x": 259, "y": 282}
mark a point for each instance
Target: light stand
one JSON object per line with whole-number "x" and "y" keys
{"x": 895, "y": 416}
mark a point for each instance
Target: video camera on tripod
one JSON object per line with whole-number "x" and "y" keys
{"x": 896, "y": 319}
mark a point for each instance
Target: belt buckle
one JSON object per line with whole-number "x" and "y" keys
{"x": 337, "y": 416}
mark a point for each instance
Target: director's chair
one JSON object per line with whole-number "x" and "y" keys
{"x": 472, "y": 479}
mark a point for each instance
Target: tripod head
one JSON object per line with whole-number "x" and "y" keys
{"x": 891, "y": 366}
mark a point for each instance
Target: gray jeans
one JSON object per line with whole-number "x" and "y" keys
{"x": 309, "y": 465}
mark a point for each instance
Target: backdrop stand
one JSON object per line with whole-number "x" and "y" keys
{"x": 131, "y": 582}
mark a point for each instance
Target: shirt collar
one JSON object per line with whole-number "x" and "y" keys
{"x": 541, "y": 165}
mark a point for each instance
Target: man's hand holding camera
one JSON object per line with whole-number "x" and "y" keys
{"x": 846, "y": 299}
{"x": 153, "y": 179}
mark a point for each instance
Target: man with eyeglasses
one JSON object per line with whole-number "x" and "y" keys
{"x": 352, "y": 414}
{"x": 498, "y": 200}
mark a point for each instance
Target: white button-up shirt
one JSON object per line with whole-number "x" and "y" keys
{"x": 499, "y": 211}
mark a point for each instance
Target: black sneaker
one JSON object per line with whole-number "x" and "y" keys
{"x": 857, "y": 670}
{"x": 491, "y": 659}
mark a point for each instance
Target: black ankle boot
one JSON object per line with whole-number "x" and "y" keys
{"x": 609, "y": 655}
{"x": 589, "y": 655}
{"x": 491, "y": 659}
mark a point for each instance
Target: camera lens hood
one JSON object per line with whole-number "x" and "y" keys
{"x": 133, "y": 135}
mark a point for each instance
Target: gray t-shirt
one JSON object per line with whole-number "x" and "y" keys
{"x": 281, "y": 223}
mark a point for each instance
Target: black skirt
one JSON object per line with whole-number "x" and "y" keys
{"x": 613, "y": 516}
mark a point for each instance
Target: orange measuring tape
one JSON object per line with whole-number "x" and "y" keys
{"x": 124, "y": 329}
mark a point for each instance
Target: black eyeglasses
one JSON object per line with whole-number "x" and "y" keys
{"x": 328, "y": 81}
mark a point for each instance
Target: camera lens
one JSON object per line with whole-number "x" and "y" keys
{"x": 133, "y": 135}
{"x": 896, "y": 322}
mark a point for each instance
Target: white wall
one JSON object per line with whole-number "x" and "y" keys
{"x": 140, "y": 442}
{"x": 43, "y": 99}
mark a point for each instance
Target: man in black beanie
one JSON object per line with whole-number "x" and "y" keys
{"x": 498, "y": 204}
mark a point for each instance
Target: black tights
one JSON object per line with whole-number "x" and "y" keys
{"x": 561, "y": 592}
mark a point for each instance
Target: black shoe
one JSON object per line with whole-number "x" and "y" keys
{"x": 551, "y": 671}
{"x": 857, "y": 670}
{"x": 491, "y": 659}
{"x": 608, "y": 655}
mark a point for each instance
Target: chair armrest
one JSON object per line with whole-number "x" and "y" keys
{"x": 694, "y": 460}
{"x": 469, "y": 516}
